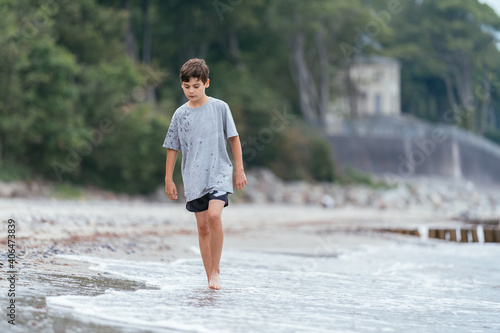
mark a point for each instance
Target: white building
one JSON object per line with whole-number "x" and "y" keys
{"x": 370, "y": 86}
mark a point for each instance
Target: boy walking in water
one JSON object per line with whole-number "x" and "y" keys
{"x": 200, "y": 128}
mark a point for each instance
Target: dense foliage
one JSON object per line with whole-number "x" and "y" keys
{"x": 87, "y": 88}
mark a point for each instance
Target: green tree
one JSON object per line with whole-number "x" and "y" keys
{"x": 64, "y": 76}
{"x": 448, "y": 52}
{"x": 317, "y": 34}
{"x": 38, "y": 117}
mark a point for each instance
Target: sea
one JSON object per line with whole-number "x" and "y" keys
{"x": 389, "y": 286}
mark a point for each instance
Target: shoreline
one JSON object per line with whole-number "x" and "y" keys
{"x": 157, "y": 232}
{"x": 139, "y": 230}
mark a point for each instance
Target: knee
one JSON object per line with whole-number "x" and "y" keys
{"x": 203, "y": 229}
{"x": 214, "y": 221}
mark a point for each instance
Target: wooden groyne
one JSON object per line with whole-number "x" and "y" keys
{"x": 487, "y": 233}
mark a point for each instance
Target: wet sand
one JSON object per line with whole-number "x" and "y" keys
{"x": 48, "y": 230}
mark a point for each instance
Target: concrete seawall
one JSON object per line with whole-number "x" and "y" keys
{"x": 402, "y": 147}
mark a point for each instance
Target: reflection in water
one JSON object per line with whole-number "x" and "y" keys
{"x": 204, "y": 298}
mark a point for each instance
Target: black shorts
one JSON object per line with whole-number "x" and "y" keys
{"x": 201, "y": 204}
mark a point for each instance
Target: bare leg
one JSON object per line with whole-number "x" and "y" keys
{"x": 216, "y": 236}
{"x": 204, "y": 240}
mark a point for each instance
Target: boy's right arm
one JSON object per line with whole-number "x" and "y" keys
{"x": 170, "y": 188}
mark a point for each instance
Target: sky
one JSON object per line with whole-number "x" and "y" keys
{"x": 495, "y": 4}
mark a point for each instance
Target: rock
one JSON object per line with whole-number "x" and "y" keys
{"x": 436, "y": 199}
{"x": 296, "y": 193}
{"x": 327, "y": 201}
{"x": 360, "y": 196}
{"x": 253, "y": 192}
{"x": 14, "y": 189}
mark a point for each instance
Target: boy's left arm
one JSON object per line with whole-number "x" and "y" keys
{"x": 240, "y": 180}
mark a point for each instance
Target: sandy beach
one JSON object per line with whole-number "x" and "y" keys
{"x": 53, "y": 238}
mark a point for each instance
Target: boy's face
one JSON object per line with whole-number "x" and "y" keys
{"x": 194, "y": 89}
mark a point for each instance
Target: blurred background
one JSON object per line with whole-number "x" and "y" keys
{"x": 330, "y": 91}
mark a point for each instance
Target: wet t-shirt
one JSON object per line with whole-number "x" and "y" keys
{"x": 201, "y": 134}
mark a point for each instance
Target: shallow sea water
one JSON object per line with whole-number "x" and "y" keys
{"x": 392, "y": 286}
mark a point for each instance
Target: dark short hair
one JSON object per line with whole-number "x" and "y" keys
{"x": 196, "y": 68}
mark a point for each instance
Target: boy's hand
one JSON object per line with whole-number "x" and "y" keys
{"x": 170, "y": 189}
{"x": 240, "y": 180}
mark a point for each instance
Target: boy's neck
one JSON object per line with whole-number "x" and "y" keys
{"x": 202, "y": 101}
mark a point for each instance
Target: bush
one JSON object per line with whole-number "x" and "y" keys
{"x": 352, "y": 176}
{"x": 300, "y": 153}
{"x": 131, "y": 158}
{"x": 12, "y": 172}
{"x": 66, "y": 191}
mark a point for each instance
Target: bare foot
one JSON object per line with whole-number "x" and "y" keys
{"x": 214, "y": 281}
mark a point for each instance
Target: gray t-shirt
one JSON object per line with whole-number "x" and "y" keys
{"x": 201, "y": 134}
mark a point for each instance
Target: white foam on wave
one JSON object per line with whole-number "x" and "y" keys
{"x": 103, "y": 309}
{"x": 392, "y": 286}
{"x": 152, "y": 273}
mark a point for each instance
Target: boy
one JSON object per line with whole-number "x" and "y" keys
{"x": 200, "y": 128}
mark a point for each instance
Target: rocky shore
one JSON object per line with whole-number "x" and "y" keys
{"x": 454, "y": 198}
{"x": 461, "y": 199}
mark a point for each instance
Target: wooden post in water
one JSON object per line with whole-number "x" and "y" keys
{"x": 474, "y": 235}
{"x": 432, "y": 233}
{"x": 453, "y": 235}
{"x": 441, "y": 233}
{"x": 489, "y": 235}
{"x": 497, "y": 235}
{"x": 464, "y": 234}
